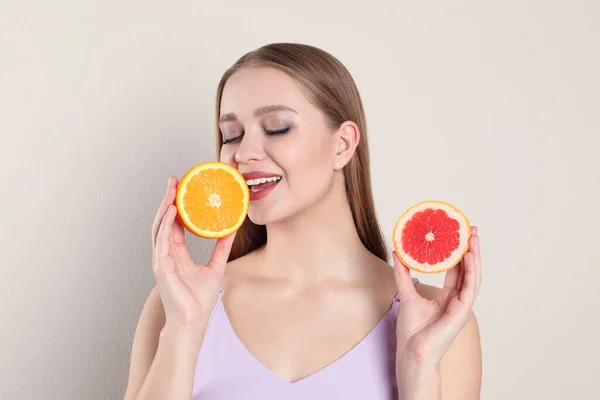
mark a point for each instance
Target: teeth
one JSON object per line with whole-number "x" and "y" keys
{"x": 251, "y": 182}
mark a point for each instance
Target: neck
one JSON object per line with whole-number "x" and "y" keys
{"x": 317, "y": 245}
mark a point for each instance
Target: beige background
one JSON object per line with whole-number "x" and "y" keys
{"x": 490, "y": 105}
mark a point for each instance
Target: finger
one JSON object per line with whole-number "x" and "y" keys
{"x": 476, "y": 249}
{"x": 178, "y": 228}
{"x": 160, "y": 213}
{"x": 178, "y": 231}
{"x": 469, "y": 289}
{"x": 164, "y": 234}
{"x": 461, "y": 276}
{"x": 452, "y": 279}
{"x": 220, "y": 254}
{"x": 404, "y": 283}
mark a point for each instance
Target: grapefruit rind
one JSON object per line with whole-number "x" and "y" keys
{"x": 457, "y": 254}
{"x": 182, "y": 189}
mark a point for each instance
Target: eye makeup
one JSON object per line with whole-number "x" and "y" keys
{"x": 277, "y": 126}
{"x": 278, "y": 131}
{"x": 271, "y": 127}
{"x": 233, "y": 139}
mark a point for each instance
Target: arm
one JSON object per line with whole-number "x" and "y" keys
{"x": 145, "y": 343}
{"x": 439, "y": 351}
{"x": 171, "y": 375}
{"x": 461, "y": 367}
{"x": 458, "y": 376}
{"x": 173, "y": 323}
{"x": 162, "y": 358}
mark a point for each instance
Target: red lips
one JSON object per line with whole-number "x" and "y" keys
{"x": 257, "y": 175}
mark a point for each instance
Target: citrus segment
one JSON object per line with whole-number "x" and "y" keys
{"x": 212, "y": 200}
{"x": 431, "y": 237}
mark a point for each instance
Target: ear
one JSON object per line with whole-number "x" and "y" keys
{"x": 347, "y": 138}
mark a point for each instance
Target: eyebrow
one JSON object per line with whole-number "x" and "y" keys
{"x": 257, "y": 113}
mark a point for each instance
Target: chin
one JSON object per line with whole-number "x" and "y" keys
{"x": 260, "y": 215}
{"x": 270, "y": 210}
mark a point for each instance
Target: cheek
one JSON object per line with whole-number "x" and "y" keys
{"x": 306, "y": 163}
{"x": 298, "y": 157}
{"x": 317, "y": 155}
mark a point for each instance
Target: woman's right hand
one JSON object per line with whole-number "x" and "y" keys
{"x": 188, "y": 291}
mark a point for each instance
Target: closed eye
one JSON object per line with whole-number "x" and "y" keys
{"x": 268, "y": 132}
{"x": 232, "y": 139}
{"x": 278, "y": 132}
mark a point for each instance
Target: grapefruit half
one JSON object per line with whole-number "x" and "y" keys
{"x": 431, "y": 237}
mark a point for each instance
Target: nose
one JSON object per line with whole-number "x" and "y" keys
{"x": 250, "y": 148}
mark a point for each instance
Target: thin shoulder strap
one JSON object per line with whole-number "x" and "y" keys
{"x": 218, "y": 305}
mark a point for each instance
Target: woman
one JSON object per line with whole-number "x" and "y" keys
{"x": 315, "y": 311}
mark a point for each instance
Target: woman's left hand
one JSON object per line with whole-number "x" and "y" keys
{"x": 426, "y": 328}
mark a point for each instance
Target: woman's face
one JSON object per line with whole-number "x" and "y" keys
{"x": 271, "y": 131}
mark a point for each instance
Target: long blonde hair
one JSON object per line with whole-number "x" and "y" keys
{"x": 329, "y": 85}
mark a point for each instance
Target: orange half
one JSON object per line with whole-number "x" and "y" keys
{"x": 212, "y": 200}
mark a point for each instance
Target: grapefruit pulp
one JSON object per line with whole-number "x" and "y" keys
{"x": 431, "y": 237}
{"x": 212, "y": 200}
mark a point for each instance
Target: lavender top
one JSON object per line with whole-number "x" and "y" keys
{"x": 226, "y": 370}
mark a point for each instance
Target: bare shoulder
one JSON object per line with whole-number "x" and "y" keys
{"x": 145, "y": 342}
{"x": 461, "y": 367}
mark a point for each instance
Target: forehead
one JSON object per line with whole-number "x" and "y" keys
{"x": 251, "y": 88}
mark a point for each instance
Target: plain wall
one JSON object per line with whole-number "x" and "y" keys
{"x": 490, "y": 105}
